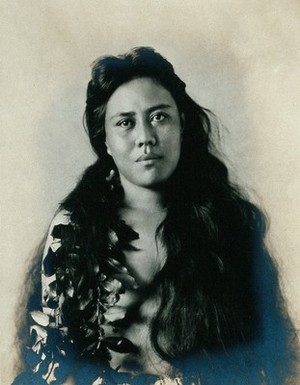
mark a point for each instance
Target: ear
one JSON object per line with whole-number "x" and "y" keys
{"x": 107, "y": 148}
{"x": 182, "y": 122}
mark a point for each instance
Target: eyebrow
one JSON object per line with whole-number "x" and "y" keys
{"x": 148, "y": 110}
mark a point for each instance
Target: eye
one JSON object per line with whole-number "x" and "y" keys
{"x": 158, "y": 117}
{"x": 126, "y": 123}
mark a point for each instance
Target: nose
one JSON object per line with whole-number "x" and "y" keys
{"x": 145, "y": 135}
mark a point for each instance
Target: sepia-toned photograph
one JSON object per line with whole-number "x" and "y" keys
{"x": 149, "y": 198}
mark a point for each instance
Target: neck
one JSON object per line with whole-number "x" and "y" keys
{"x": 142, "y": 198}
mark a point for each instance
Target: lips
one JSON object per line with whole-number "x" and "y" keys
{"x": 150, "y": 156}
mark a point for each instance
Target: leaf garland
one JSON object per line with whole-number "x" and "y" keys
{"x": 75, "y": 299}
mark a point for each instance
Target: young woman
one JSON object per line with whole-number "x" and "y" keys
{"x": 155, "y": 265}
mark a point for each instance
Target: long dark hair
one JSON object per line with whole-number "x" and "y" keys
{"x": 218, "y": 274}
{"x": 214, "y": 236}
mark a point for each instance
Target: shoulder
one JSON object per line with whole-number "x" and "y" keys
{"x": 61, "y": 218}
{"x": 58, "y": 246}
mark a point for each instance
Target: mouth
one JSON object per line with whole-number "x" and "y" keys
{"x": 146, "y": 157}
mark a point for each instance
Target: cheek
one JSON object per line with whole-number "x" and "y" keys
{"x": 117, "y": 147}
{"x": 172, "y": 151}
{"x": 175, "y": 145}
{"x": 177, "y": 152}
{"x": 178, "y": 148}
{"x": 112, "y": 143}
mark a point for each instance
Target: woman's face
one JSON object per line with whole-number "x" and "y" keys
{"x": 143, "y": 132}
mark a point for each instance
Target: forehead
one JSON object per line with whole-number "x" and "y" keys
{"x": 140, "y": 93}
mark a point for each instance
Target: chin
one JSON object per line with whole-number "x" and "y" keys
{"x": 152, "y": 180}
{"x": 153, "y": 184}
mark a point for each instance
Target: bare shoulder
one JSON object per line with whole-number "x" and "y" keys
{"x": 62, "y": 217}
